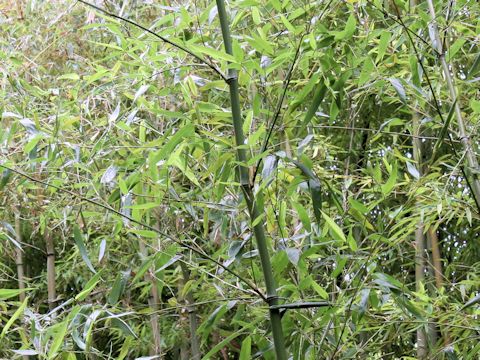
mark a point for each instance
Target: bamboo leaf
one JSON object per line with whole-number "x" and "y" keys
{"x": 444, "y": 131}
{"x": 318, "y": 97}
{"x": 349, "y": 29}
{"x": 14, "y": 317}
{"x": 78, "y": 237}
{"x": 336, "y": 230}
{"x": 214, "y": 54}
{"x": 89, "y": 286}
{"x": 223, "y": 343}
{"x": 471, "y": 302}
{"x": 392, "y": 180}
{"x": 9, "y": 293}
{"x": 245, "y": 352}
{"x": 474, "y": 68}
{"x": 58, "y": 339}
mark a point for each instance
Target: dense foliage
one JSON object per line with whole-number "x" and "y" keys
{"x": 125, "y": 233}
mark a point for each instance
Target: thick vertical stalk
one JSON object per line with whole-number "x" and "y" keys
{"x": 420, "y": 263}
{"x": 438, "y": 274}
{"x": 156, "y": 346}
{"x": 19, "y": 257}
{"x": 464, "y": 136}
{"x": 419, "y": 278}
{"x": 247, "y": 187}
{"x": 19, "y": 262}
{"x": 50, "y": 246}
{"x": 436, "y": 258}
{"x": 192, "y": 316}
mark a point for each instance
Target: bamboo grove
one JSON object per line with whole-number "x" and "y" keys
{"x": 239, "y": 179}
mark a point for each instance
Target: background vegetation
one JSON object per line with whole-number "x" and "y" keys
{"x": 125, "y": 231}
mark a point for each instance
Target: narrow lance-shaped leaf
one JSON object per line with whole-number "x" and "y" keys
{"x": 471, "y": 302}
{"x": 77, "y": 235}
{"x": 444, "y": 131}
{"x": 317, "y": 100}
{"x": 315, "y": 189}
{"x": 14, "y": 317}
{"x": 475, "y": 67}
{"x": 58, "y": 339}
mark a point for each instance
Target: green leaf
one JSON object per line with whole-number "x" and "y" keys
{"x": 121, "y": 325}
{"x": 58, "y": 339}
{"x": 398, "y": 86}
{"x": 318, "y": 97}
{"x": 89, "y": 286}
{"x": 474, "y": 68}
{"x": 245, "y": 352}
{"x": 454, "y": 48}
{"x": 471, "y": 302}
{"x": 349, "y": 29}
{"x": 303, "y": 215}
{"x": 336, "y": 231}
{"x": 32, "y": 143}
{"x": 71, "y": 76}
{"x": 387, "y": 281}
{"x": 14, "y": 317}
{"x": 315, "y": 188}
{"x": 357, "y": 205}
{"x": 77, "y": 235}
{"x": 214, "y": 54}
{"x": 9, "y": 293}
{"x": 124, "y": 350}
{"x": 367, "y": 71}
{"x": 184, "y": 132}
{"x": 391, "y": 182}
{"x": 351, "y": 241}
{"x": 383, "y": 44}
{"x": 118, "y": 287}
{"x": 340, "y": 263}
{"x": 223, "y": 343}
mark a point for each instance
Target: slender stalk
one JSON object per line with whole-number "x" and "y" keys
{"x": 464, "y": 136}
{"x": 438, "y": 274}
{"x": 19, "y": 257}
{"x": 247, "y": 188}
{"x": 156, "y": 347}
{"x": 436, "y": 258}
{"x": 422, "y": 350}
{"x": 50, "y": 246}
{"x": 19, "y": 262}
{"x": 192, "y": 316}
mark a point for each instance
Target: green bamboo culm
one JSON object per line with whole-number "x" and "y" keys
{"x": 247, "y": 188}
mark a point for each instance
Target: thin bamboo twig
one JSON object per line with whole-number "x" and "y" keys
{"x": 437, "y": 107}
{"x": 247, "y": 188}
{"x": 158, "y": 36}
{"x": 464, "y": 136}
{"x": 142, "y": 224}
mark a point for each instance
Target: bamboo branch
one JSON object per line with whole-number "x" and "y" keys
{"x": 158, "y": 36}
{"x": 464, "y": 136}
{"x": 142, "y": 224}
